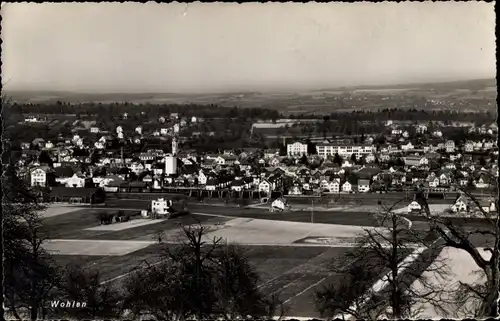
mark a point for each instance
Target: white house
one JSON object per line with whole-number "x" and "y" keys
{"x": 482, "y": 182}
{"x": 220, "y": 160}
{"x": 156, "y": 184}
{"x": 370, "y": 158}
{"x": 99, "y": 145}
{"x": 38, "y": 177}
{"x": 469, "y": 146}
{"x": 444, "y": 180}
{"x": 138, "y": 130}
{"x": 265, "y": 186}
{"x": 346, "y": 187}
{"x": 416, "y": 161}
{"x": 406, "y": 134}
{"x": 433, "y": 182}
{"x": 194, "y": 119}
{"x": 396, "y": 131}
{"x": 269, "y": 153}
{"x": 94, "y": 130}
{"x": 449, "y": 146}
{"x": 137, "y": 168}
{"x": 296, "y": 149}
{"x": 279, "y": 204}
{"x": 119, "y": 129}
{"x": 202, "y": 178}
{"x": 346, "y": 164}
{"x": 274, "y": 161}
{"x": 160, "y": 206}
{"x": 407, "y": 146}
{"x": 363, "y": 186}
{"x": 75, "y": 181}
{"x": 49, "y": 145}
{"x": 460, "y": 204}
{"x": 421, "y": 129}
{"x": 487, "y": 145}
{"x": 296, "y": 189}
{"x": 414, "y": 207}
{"x": 334, "y": 186}
{"x": 324, "y": 184}
{"x": 30, "y": 119}
{"x": 437, "y": 133}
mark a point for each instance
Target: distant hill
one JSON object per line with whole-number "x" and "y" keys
{"x": 473, "y": 84}
{"x": 299, "y": 101}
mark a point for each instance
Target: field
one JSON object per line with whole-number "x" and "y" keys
{"x": 291, "y": 256}
{"x": 294, "y": 270}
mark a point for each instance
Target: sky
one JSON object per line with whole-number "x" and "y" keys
{"x": 219, "y": 47}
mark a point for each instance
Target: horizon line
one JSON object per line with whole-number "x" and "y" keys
{"x": 290, "y": 90}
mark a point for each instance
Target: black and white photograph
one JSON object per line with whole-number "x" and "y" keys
{"x": 230, "y": 161}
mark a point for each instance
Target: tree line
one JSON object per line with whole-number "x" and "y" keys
{"x": 397, "y": 114}
{"x": 112, "y": 110}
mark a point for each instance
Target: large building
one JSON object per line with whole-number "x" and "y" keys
{"x": 160, "y": 206}
{"x": 170, "y": 165}
{"x": 171, "y": 160}
{"x": 326, "y": 149}
{"x": 296, "y": 149}
{"x": 38, "y": 177}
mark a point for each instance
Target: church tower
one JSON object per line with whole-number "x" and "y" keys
{"x": 174, "y": 146}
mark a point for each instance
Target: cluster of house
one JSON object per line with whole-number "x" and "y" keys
{"x": 268, "y": 172}
{"x": 93, "y": 135}
{"x": 463, "y": 204}
{"x": 337, "y": 166}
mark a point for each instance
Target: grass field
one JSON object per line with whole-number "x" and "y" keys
{"x": 295, "y": 273}
{"x": 79, "y": 225}
{"x": 292, "y": 270}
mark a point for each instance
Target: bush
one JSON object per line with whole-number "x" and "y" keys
{"x": 105, "y": 218}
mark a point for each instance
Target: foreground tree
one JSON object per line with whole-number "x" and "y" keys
{"x": 480, "y": 297}
{"x": 84, "y": 285}
{"x": 197, "y": 279}
{"x": 400, "y": 255}
{"x": 30, "y": 273}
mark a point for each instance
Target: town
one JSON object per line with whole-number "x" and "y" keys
{"x": 92, "y": 161}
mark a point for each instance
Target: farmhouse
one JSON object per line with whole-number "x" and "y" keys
{"x": 160, "y": 206}
{"x": 414, "y": 207}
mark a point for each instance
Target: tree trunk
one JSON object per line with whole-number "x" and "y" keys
{"x": 34, "y": 312}
{"x": 395, "y": 300}
{"x": 489, "y": 306}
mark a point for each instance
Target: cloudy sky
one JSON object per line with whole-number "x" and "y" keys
{"x": 113, "y": 47}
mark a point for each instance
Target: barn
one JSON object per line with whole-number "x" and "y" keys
{"x": 75, "y": 195}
